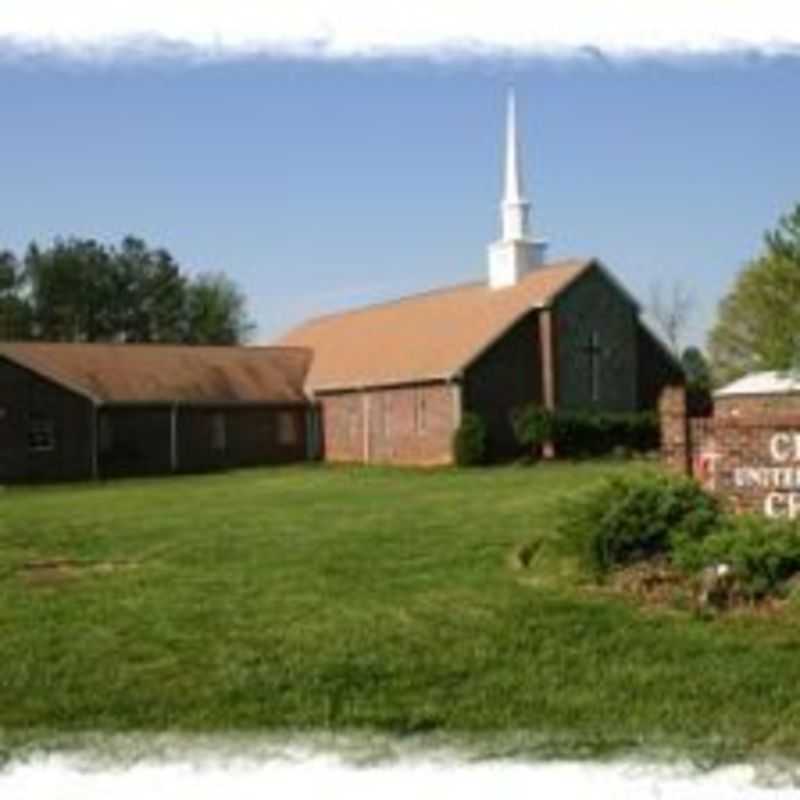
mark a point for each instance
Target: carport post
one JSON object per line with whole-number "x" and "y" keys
{"x": 94, "y": 437}
{"x": 173, "y": 438}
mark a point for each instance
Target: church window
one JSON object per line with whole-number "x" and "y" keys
{"x": 420, "y": 412}
{"x": 219, "y": 431}
{"x": 41, "y": 434}
{"x": 287, "y": 429}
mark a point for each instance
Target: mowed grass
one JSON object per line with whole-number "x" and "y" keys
{"x": 372, "y": 600}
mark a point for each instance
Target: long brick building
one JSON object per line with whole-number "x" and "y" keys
{"x": 74, "y": 411}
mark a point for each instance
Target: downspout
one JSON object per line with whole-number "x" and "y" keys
{"x": 365, "y": 414}
{"x": 458, "y": 405}
{"x": 95, "y": 436}
{"x": 312, "y": 436}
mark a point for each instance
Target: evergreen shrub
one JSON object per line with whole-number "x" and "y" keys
{"x": 578, "y": 434}
{"x": 624, "y": 520}
{"x": 763, "y": 553}
{"x": 469, "y": 441}
{"x": 533, "y": 426}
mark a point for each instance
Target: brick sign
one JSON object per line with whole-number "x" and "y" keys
{"x": 779, "y": 479}
{"x": 750, "y": 458}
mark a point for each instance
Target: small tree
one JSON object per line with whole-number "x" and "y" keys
{"x": 469, "y": 441}
{"x": 758, "y": 321}
{"x": 698, "y": 381}
{"x": 533, "y": 427}
{"x": 216, "y": 311}
{"x": 671, "y": 310}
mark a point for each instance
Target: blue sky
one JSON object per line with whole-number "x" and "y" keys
{"x": 320, "y": 185}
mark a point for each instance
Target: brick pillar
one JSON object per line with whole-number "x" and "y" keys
{"x": 547, "y": 358}
{"x": 547, "y": 365}
{"x": 675, "y": 444}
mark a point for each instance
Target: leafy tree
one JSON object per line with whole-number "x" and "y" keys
{"x": 79, "y": 290}
{"x": 15, "y": 313}
{"x": 71, "y": 290}
{"x": 150, "y": 294}
{"x": 758, "y": 322}
{"x": 696, "y": 368}
{"x": 215, "y": 311}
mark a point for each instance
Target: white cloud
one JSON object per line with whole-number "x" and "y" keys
{"x": 88, "y": 29}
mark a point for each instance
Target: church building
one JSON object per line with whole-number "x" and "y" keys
{"x": 393, "y": 380}
{"x": 385, "y": 384}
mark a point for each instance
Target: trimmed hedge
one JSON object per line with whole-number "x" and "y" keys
{"x": 582, "y": 434}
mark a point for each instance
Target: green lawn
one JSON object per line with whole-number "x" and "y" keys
{"x": 373, "y": 600}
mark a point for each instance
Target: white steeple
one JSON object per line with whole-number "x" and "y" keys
{"x": 516, "y": 253}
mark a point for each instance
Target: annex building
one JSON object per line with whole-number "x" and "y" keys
{"x": 80, "y": 411}
{"x": 385, "y": 384}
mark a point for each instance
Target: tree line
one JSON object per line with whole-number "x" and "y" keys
{"x": 79, "y": 290}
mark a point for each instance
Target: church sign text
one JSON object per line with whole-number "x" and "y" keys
{"x": 778, "y": 480}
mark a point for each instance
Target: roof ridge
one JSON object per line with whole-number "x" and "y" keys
{"x": 384, "y": 303}
{"x": 152, "y": 345}
{"x": 561, "y": 264}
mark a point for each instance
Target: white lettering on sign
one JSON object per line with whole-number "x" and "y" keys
{"x": 785, "y": 447}
{"x": 780, "y": 480}
{"x": 782, "y": 505}
{"x": 766, "y": 477}
{"x": 779, "y": 447}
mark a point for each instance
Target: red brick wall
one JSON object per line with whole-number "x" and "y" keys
{"x": 399, "y": 425}
{"x": 748, "y": 453}
{"x": 756, "y": 406}
{"x": 675, "y": 445}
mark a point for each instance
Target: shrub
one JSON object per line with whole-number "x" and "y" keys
{"x": 763, "y": 553}
{"x": 469, "y": 441}
{"x": 578, "y": 434}
{"x": 533, "y": 426}
{"x": 630, "y": 519}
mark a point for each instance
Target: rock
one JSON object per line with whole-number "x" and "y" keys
{"x": 716, "y": 587}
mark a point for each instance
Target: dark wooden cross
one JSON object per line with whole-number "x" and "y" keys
{"x": 595, "y": 353}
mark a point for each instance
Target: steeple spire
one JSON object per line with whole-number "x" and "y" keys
{"x": 514, "y": 191}
{"x": 515, "y": 254}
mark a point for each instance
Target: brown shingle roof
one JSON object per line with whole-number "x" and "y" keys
{"x": 427, "y": 336}
{"x": 142, "y": 373}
